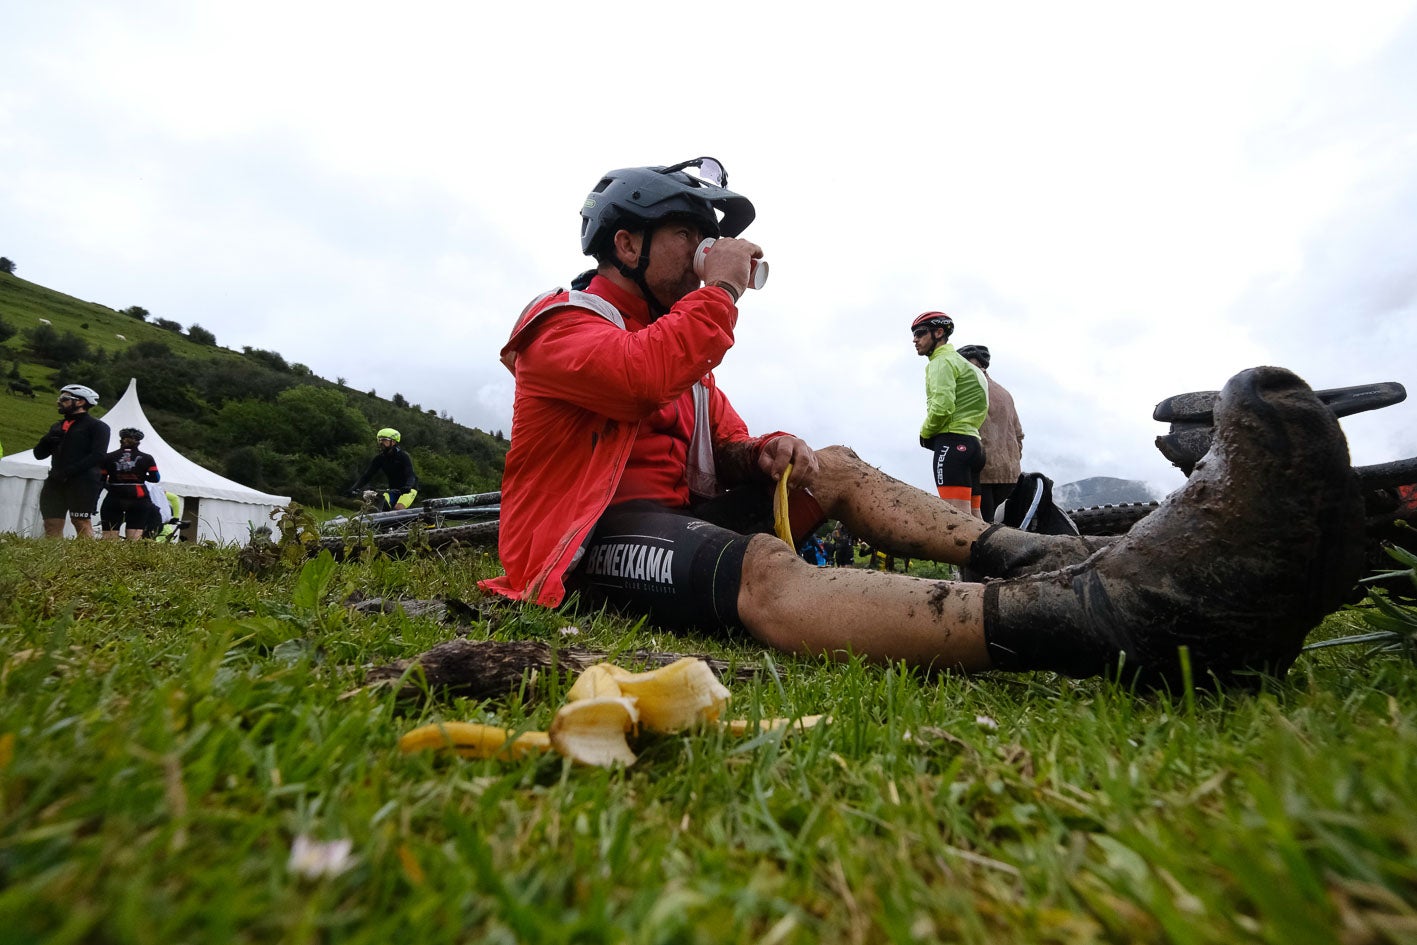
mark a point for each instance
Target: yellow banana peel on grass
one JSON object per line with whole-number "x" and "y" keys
{"x": 604, "y": 706}
{"x": 474, "y": 740}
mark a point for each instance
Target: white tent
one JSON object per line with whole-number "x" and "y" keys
{"x": 222, "y": 510}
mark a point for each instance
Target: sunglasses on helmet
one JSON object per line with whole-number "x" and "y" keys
{"x": 705, "y": 169}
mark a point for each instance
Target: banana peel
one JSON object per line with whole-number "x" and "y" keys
{"x": 604, "y": 706}
{"x": 596, "y": 682}
{"x": 592, "y": 731}
{"x": 781, "y": 521}
{"x": 672, "y": 698}
{"x": 474, "y": 740}
{"x": 744, "y": 727}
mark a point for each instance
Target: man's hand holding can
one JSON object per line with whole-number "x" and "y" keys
{"x": 735, "y": 261}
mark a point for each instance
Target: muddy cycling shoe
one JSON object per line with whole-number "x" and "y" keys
{"x": 1004, "y": 552}
{"x": 1234, "y": 569}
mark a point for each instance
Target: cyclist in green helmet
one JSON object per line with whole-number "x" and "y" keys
{"x": 397, "y": 467}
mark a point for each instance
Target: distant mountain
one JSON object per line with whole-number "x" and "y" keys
{"x": 1101, "y": 490}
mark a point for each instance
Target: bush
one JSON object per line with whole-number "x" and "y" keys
{"x": 135, "y": 311}
{"x": 56, "y": 348}
{"x": 200, "y": 335}
{"x": 6, "y": 265}
{"x": 168, "y": 324}
{"x": 270, "y": 359}
{"x": 156, "y": 350}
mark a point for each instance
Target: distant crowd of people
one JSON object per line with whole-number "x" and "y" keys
{"x": 836, "y": 550}
{"x": 135, "y": 505}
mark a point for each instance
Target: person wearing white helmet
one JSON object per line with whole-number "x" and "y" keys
{"x": 78, "y": 444}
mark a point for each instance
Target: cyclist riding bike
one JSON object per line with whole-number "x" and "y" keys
{"x": 397, "y": 468}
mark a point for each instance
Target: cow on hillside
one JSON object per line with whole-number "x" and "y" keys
{"x": 22, "y": 386}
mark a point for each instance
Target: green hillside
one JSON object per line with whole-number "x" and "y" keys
{"x": 248, "y": 415}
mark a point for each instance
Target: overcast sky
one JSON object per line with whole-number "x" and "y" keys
{"x": 1122, "y": 202}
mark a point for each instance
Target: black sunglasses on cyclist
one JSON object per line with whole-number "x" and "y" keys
{"x": 919, "y": 331}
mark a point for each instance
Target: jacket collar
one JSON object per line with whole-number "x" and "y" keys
{"x": 631, "y": 304}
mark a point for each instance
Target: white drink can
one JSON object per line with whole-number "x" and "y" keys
{"x": 757, "y": 271}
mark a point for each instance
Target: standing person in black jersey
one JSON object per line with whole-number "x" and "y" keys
{"x": 125, "y": 471}
{"x": 78, "y": 443}
{"x": 397, "y": 467}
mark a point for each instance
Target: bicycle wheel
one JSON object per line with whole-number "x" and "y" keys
{"x": 1111, "y": 519}
{"x": 390, "y": 542}
{"x": 1399, "y": 472}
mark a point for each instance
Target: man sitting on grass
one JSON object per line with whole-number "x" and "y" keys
{"x": 631, "y": 480}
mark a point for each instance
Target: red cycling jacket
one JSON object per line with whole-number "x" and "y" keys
{"x": 585, "y": 388}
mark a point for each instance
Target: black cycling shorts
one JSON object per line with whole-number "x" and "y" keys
{"x": 681, "y": 567}
{"x": 127, "y": 511}
{"x": 76, "y": 498}
{"x": 959, "y": 460}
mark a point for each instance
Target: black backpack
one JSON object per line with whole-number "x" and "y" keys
{"x": 1030, "y": 507}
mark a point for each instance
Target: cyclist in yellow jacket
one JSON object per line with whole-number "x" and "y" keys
{"x": 956, "y": 404}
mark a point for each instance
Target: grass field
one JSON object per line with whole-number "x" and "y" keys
{"x": 170, "y": 724}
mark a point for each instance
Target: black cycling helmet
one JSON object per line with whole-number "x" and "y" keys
{"x": 978, "y": 353}
{"x": 632, "y": 198}
{"x": 131, "y": 433}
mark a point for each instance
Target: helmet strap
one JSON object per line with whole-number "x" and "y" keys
{"x": 637, "y": 276}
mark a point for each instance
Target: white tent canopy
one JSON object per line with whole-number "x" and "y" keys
{"x": 224, "y": 511}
